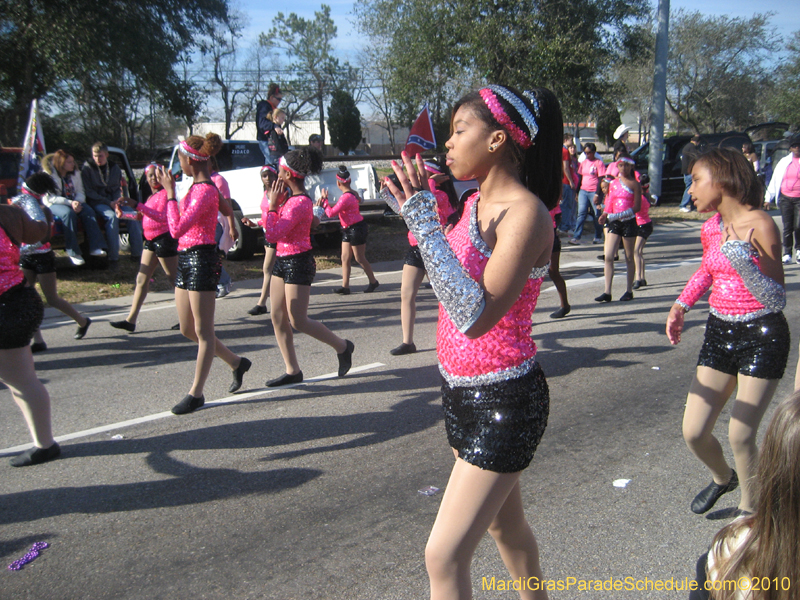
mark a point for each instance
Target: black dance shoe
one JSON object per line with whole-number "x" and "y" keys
{"x": 38, "y": 347}
{"x": 603, "y": 298}
{"x": 257, "y": 310}
{"x": 176, "y": 327}
{"x": 705, "y": 500}
{"x": 403, "y": 349}
{"x": 346, "y": 358}
{"x": 238, "y": 374}
{"x": 626, "y": 297}
{"x": 342, "y": 291}
{"x": 372, "y": 287}
{"x": 82, "y": 330}
{"x": 126, "y": 325}
{"x": 639, "y": 283}
{"x": 285, "y": 379}
{"x": 188, "y": 404}
{"x": 603, "y": 257}
{"x": 36, "y": 456}
{"x": 561, "y": 312}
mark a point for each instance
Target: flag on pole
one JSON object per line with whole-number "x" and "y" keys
{"x": 421, "y": 137}
{"x": 32, "y": 148}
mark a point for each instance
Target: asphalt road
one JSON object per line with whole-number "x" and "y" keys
{"x": 313, "y": 491}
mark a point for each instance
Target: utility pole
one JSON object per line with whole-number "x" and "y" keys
{"x": 659, "y": 99}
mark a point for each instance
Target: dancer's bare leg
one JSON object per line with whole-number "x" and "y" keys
{"x": 47, "y": 281}
{"x": 638, "y": 257}
{"x": 147, "y": 268}
{"x": 347, "y": 258}
{"x": 269, "y": 263}
{"x": 628, "y": 243}
{"x": 409, "y": 286}
{"x": 282, "y": 326}
{"x": 360, "y": 253}
{"x": 558, "y": 279}
{"x": 297, "y": 298}
{"x": 610, "y": 248}
{"x": 18, "y": 373}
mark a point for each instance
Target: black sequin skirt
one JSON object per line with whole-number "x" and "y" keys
{"x": 414, "y": 258}
{"x": 199, "y": 268}
{"x": 40, "y": 263}
{"x": 757, "y": 348}
{"x": 498, "y": 426}
{"x": 627, "y": 228}
{"x": 356, "y": 234}
{"x": 164, "y": 246}
{"x": 21, "y": 313}
{"x": 296, "y": 269}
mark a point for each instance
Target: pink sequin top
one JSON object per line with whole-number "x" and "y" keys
{"x": 290, "y": 227}
{"x": 553, "y": 213}
{"x": 445, "y": 210}
{"x": 619, "y": 199}
{"x": 194, "y": 223}
{"x": 346, "y": 208}
{"x": 507, "y": 350}
{"x": 154, "y": 215}
{"x": 643, "y": 216}
{"x": 10, "y": 273}
{"x": 729, "y": 295}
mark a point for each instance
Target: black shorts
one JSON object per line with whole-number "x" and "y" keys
{"x": 556, "y": 242}
{"x": 21, "y": 313}
{"x": 356, "y": 234}
{"x": 497, "y": 426}
{"x": 273, "y": 245}
{"x": 757, "y": 348}
{"x": 41, "y": 263}
{"x": 627, "y": 228}
{"x": 199, "y": 268}
{"x": 296, "y": 269}
{"x": 644, "y": 231}
{"x": 164, "y": 246}
{"x": 414, "y": 258}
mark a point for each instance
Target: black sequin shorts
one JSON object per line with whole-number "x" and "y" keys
{"x": 556, "y": 242}
{"x": 199, "y": 268}
{"x": 757, "y": 348}
{"x": 40, "y": 263}
{"x": 273, "y": 245}
{"x": 497, "y": 426}
{"x": 644, "y": 231}
{"x": 296, "y": 269}
{"x": 356, "y": 234}
{"x": 627, "y": 228}
{"x": 414, "y": 258}
{"x": 164, "y": 246}
{"x": 21, "y": 313}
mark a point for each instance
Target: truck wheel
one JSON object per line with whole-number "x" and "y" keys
{"x": 245, "y": 246}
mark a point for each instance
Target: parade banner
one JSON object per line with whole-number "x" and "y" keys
{"x": 421, "y": 137}
{"x": 32, "y": 147}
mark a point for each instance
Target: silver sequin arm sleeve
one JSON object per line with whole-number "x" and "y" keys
{"x": 31, "y": 207}
{"x": 766, "y": 290}
{"x": 460, "y": 295}
{"x": 621, "y": 216}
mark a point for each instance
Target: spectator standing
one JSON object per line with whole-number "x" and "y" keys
{"x": 68, "y": 203}
{"x": 102, "y": 184}
{"x": 690, "y": 153}
{"x": 621, "y": 136}
{"x": 785, "y": 185}
{"x": 265, "y": 126}
{"x": 315, "y": 141}
{"x": 569, "y": 186}
{"x": 590, "y": 195}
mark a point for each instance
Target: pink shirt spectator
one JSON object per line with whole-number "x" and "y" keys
{"x": 10, "y": 273}
{"x": 612, "y": 169}
{"x": 194, "y": 223}
{"x": 729, "y": 295}
{"x": 290, "y": 227}
{"x": 346, "y": 208}
{"x": 507, "y": 350}
{"x": 591, "y": 171}
{"x": 154, "y": 215}
{"x": 443, "y": 206}
{"x": 643, "y": 216}
{"x": 790, "y": 184}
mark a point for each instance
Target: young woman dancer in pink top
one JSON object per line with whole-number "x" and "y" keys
{"x": 487, "y": 274}
{"x": 288, "y": 222}
{"x": 269, "y": 173}
{"x": 644, "y": 227}
{"x": 159, "y": 245}
{"x": 193, "y": 223}
{"x": 354, "y": 230}
{"x": 747, "y": 338}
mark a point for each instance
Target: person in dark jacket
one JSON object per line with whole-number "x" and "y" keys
{"x": 690, "y": 153}
{"x": 265, "y": 126}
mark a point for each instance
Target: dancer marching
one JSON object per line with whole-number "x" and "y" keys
{"x": 747, "y": 338}
{"x": 487, "y": 274}
{"x": 159, "y": 245}
{"x": 287, "y": 222}
{"x": 644, "y": 228}
{"x": 269, "y": 173}
{"x": 193, "y": 223}
{"x": 354, "y": 230}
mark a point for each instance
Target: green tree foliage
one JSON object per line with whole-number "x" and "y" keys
{"x": 784, "y": 103}
{"x": 344, "y": 121}
{"x": 48, "y": 44}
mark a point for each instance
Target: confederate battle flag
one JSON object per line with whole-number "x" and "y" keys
{"x": 421, "y": 137}
{"x": 33, "y": 147}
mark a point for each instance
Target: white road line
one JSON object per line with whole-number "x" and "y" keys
{"x": 166, "y": 414}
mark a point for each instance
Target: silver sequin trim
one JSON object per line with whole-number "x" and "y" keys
{"x": 459, "y": 294}
{"x": 625, "y": 187}
{"x": 685, "y": 306}
{"x": 390, "y": 200}
{"x": 487, "y": 378}
{"x": 766, "y": 290}
{"x": 34, "y": 211}
{"x": 483, "y": 247}
{"x": 621, "y": 216}
{"x": 519, "y": 106}
{"x": 742, "y": 318}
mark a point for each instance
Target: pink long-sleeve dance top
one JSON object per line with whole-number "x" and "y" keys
{"x": 507, "y": 350}
{"x": 154, "y": 215}
{"x": 730, "y": 299}
{"x": 10, "y": 273}
{"x": 290, "y": 227}
{"x": 194, "y": 223}
{"x": 346, "y": 208}
{"x": 443, "y": 206}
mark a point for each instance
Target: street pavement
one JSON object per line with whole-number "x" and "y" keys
{"x": 312, "y": 491}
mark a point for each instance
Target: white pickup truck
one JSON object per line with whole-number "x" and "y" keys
{"x": 240, "y": 164}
